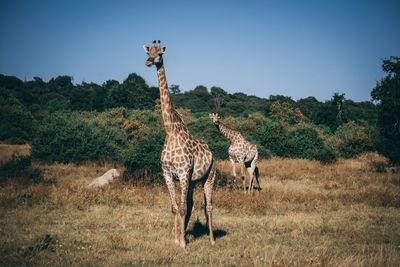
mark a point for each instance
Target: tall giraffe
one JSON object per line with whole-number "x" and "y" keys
{"x": 240, "y": 151}
{"x": 183, "y": 156}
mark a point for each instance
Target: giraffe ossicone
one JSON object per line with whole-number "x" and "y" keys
{"x": 183, "y": 157}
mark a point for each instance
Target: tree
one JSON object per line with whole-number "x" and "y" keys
{"x": 387, "y": 94}
{"x": 285, "y": 112}
{"x": 338, "y": 101}
{"x": 174, "y": 89}
{"x": 81, "y": 96}
{"x": 310, "y": 107}
{"x": 132, "y": 93}
{"x": 16, "y": 122}
{"x": 219, "y": 96}
{"x": 197, "y": 100}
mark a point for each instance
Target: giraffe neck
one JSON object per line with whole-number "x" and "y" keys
{"x": 169, "y": 114}
{"x": 228, "y": 133}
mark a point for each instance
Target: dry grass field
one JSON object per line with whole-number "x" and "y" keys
{"x": 6, "y": 151}
{"x": 307, "y": 214}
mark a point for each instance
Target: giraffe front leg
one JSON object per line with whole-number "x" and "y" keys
{"x": 208, "y": 190}
{"x": 174, "y": 206}
{"x": 250, "y": 171}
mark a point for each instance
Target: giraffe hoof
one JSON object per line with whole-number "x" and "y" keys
{"x": 182, "y": 244}
{"x": 176, "y": 241}
{"x": 212, "y": 242}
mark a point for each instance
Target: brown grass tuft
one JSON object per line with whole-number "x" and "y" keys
{"x": 7, "y": 151}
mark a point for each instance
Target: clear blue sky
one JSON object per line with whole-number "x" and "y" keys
{"x": 292, "y": 48}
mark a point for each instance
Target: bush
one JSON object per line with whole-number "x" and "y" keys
{"x": 271, "y": 135}
{"x": 240, "y": 124}
{"x": 19, "y": 168}
{"x": 303, "y": 141}
{"x": 353, "y": 139}
{"x": 204, "y": 130}
{"x": 263, "y": 153}
{"x": 77, "y": 137}
{"x": 285, "y": 112}
{"x": 16, "y": 122}
{"x": 142, "y": 162}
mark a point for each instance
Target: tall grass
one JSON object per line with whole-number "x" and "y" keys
{"x": 307, "y": 214}
{"x": 7, "y": 151}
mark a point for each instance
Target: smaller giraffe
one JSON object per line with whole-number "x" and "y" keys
{"x": 240, "y": 151}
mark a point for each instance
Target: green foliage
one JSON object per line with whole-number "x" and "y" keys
{"x": 174, "y": 89}
{"x": 285, "y": 112}
{"x": 16, "y": 122}
{"x": 19, "y": 168}
{"x": 271, "y": 135}
{"x": 303, "y": 141}
{"x": 122, "y": 121}
{"x": 61, "y": 94}
{"x": 132, "y": 93}
{"x": 299, "y": 141}
{"x": 209, "y": 134}
{"x": 142, "y": 162}
{"x": 263, "y": 152}
{"x": 353, "y": 139}
{"x": 77, "y": 137}
{"x": 198, "y": 100}
{"x": 310, "y": 107}
{"x": 387, "y": 93}
{"x": 240, "y": 124}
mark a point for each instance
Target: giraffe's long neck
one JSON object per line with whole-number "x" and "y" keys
{"x": 172, "y": 121}
{"x": 166, "y": 105}
{"x": 228, "y": 133}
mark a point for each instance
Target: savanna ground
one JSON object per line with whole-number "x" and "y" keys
{"x": 307, "y": 213}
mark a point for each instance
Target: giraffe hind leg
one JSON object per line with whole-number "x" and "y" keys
{"x": 251, "y": 169}
{"x": 190, "y": 204}
{"x": 243, "y": 175}
{"x": 184, "y": 182}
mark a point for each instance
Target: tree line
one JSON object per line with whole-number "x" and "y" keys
{"x": 53, "y": 115}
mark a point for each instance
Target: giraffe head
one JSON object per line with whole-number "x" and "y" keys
{"x": 214, "y": 117}
{"x": 155, "y": 53}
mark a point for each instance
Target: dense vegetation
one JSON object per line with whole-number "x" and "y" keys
{"x": 67, "y": 122}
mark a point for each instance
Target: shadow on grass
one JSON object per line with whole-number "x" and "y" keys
{"x": 198, "y": 229}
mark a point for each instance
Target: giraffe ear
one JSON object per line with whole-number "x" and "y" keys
{"x": 163, "y": 50}
{"x": 146, "y": 49}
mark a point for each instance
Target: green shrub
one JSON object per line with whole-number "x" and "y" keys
{"x": 271, "y": 135}
{"x": 263, "y": 152}
{"x": 16, "y": 122}
{"x": 303, "y": 141}
{"x": 204, "y": 130}
{"x": 19, "y": 168}
{"x": 77, "y": 137}
{"x": 142, "y": 162}
{"x": 353, "y": 139}
{"x": 240, "y": 124}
